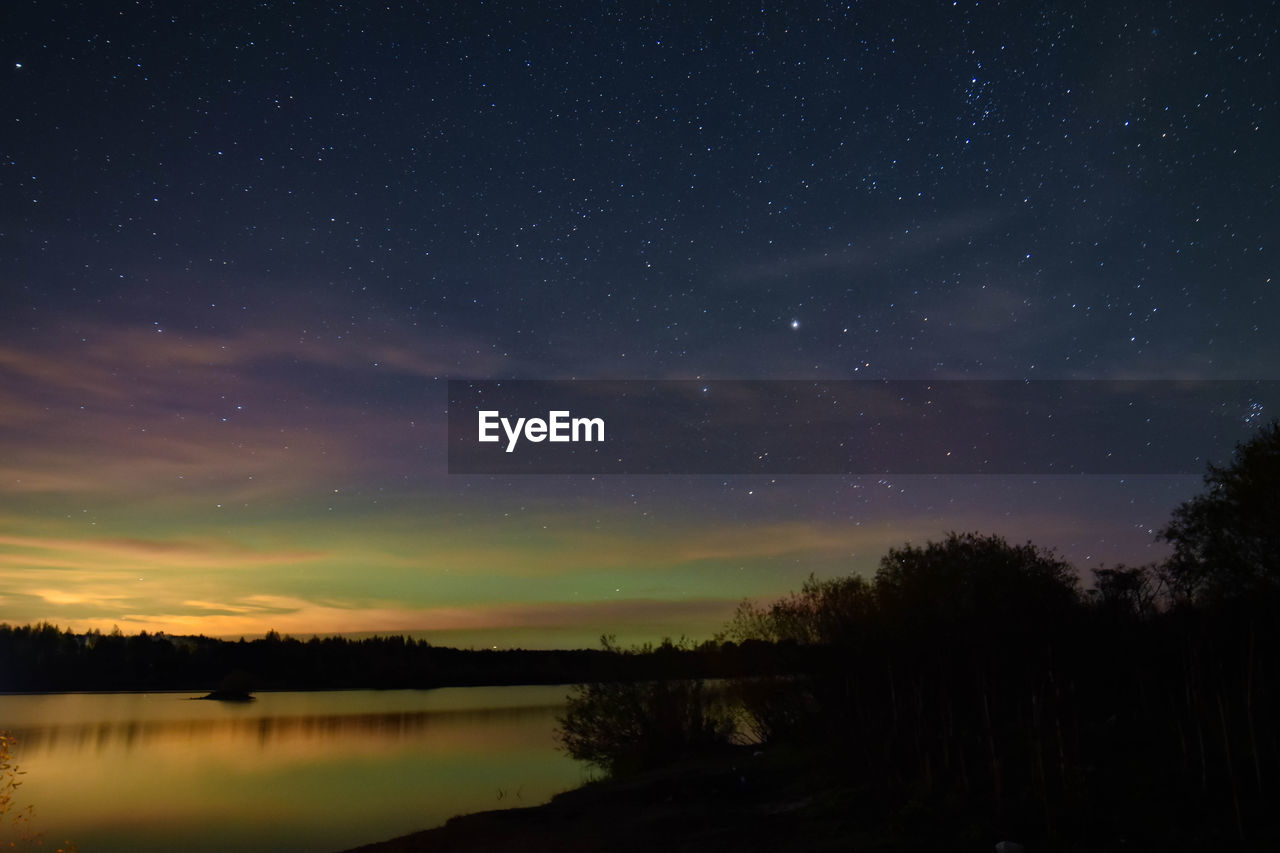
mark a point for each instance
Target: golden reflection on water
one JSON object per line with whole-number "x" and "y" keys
{"x": 465, "y": 729}
{"x": 290, "y": 771}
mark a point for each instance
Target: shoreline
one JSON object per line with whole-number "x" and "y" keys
{"x": 743, "y": 800}
{"x": 747, "y": 799}
{"x": 712, "y": 803}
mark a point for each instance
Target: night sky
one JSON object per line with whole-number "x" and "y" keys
{"x": 243, "y": 247}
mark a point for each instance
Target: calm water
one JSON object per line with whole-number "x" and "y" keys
{"x": 315, "y": 772}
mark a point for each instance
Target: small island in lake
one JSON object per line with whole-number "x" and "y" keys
{"x": 228, "y": 696}
{"x": 236, "y": 686}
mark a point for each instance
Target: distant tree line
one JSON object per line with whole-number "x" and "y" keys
{"x": 44, "y": 658}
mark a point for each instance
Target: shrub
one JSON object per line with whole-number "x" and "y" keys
{"x": 626, "y": 726}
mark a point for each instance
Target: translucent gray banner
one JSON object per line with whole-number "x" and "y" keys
{"x": 851, "y": 427}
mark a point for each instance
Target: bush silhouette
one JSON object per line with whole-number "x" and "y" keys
{"x": 625, "y": 726}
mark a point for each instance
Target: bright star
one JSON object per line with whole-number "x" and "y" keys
{"x": 795, "y": 324}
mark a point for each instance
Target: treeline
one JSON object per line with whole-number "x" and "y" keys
{"x": 974, "y": 689}
{"x": 972, "y": 678}
{"x": 42, "y": 658}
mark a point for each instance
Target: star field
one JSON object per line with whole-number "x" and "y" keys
{"x": 243, "y": 246}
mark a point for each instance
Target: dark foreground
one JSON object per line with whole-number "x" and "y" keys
{"x": 742, "y": 801}
{"x": 738, "y": 802}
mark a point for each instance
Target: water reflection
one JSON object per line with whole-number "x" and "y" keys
{"x": 301, "y": 771}
{"x": 493, "y": 723}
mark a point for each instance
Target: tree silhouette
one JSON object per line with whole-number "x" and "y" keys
{"x": 1227, "y": 540}
{"x": 969, "y": 580}
{"x": 824, "y": 611}
{"x": 1132, "y": 591}
{"x": 624, "y": 726}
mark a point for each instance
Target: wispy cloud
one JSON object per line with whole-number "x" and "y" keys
{"x": 253, "y": 615}
{"x": 125, "y": 410}
{"x": 871, "y": 252}
{"x": 18, "y": 552}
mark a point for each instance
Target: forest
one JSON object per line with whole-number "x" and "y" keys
{"x": 974, "y": 688}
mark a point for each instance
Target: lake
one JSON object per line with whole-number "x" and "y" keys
{"x": 317, "y": 772}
